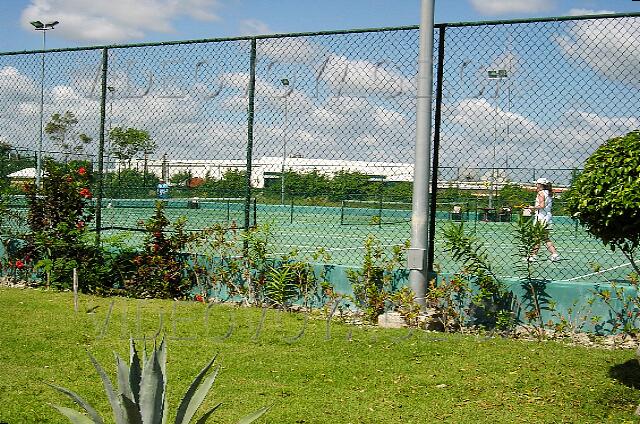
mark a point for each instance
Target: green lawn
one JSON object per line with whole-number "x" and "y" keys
{"x": 352, "y": 375}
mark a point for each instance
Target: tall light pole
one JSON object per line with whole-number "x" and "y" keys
{"x": 285, "y": 83}
{"x": 39, "y": 26}
{"x": 498, "y": 75}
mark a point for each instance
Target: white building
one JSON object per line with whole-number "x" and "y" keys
{"x": 270, "y": 167}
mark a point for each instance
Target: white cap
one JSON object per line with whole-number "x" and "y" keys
{"x": 542, "y": 181}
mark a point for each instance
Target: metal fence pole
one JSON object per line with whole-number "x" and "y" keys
{"x": 103, "y": 97}
{"x": 418, "y": 274}
{"x": 250, "y": 110}
{"x": 436, "y": 148}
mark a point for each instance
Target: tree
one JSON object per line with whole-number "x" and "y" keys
{"x": 128, "y": 143}
{"x": 61, "y": 130}
{"x": 353, "y": 185}
{"x": 130, "y": 184}
{"x": 605, "y": 197}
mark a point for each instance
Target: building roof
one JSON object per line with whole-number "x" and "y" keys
{"x": 24, "y": 173}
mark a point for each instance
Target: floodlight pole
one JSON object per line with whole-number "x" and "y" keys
{"x": 417, "y": 254}
{"x": 39, "y": 26}
{"x": 285, "y": 83}
{"x": 498, "y": 75}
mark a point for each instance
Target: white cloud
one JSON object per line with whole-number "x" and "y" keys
{"x": 16, "y": 86}
{"x": 115, "y": 20}
{"x": 582, "y": 12}
{"x": 254, "y": 27}
{"x": 504, "y": 7}
{"x": 363, "y": 78}
{"x": 613, "y": 51}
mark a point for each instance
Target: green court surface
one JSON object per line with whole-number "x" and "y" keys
{"x": 307, "y": 228}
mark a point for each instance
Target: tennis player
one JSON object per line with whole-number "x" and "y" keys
{"x": 544, "y": 202}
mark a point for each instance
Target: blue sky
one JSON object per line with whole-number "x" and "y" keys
{"x": 98, "y": 22}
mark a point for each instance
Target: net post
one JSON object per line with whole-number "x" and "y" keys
{"x": 342, "y": 212}
{"x": 291, "y": 211}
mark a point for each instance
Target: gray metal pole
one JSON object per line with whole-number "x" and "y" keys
{"x": 418, "y": 272}
{"x": 40, "y": 140}
{"x": 284, "y": 152}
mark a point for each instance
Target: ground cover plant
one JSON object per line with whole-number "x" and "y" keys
{"x": 310, "y": 370}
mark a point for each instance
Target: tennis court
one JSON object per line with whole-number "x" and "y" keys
{"x": 342, "y": 230}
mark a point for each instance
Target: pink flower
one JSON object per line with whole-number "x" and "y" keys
{"x": 80, "y": 225}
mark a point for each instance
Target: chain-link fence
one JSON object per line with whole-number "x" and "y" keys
{"x": 313, "y": 134}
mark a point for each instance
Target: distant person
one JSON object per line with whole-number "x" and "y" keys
{"x": 163, "y": 190}
{"x": 544, "y": 202}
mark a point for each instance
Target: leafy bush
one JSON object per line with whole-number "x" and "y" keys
{"x": 162, "y": 269}
{"x": 491, "y": 298}
{"x": 605, "y": 197}
{"x": 58, "y": 219}
{"x": 372, "y": 283}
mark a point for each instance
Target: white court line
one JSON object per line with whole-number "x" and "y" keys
{"x": 593, "y": 273}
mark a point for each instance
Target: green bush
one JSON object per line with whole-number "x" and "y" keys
{"x": 605, "y": 197}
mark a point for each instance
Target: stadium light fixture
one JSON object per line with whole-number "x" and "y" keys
{"x": 43, "y": 27}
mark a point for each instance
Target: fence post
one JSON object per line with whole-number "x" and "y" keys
{"x": 250, "y": 110}
{"x": 99, "y": 173}
{"x": 416, "y": 257}
{"x": 436, "y": 149}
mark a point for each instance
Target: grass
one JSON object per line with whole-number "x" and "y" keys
{"x": 347, "y": 375}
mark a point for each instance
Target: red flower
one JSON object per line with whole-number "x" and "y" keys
{"x": 86, "y": 193}
{"x": 80, "y": 225}
{"x": 19, "y": 264}
{"x": 199, "y": 298}
{"x": 82, "y": 171}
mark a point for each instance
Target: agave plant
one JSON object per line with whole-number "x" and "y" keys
{"x": 141, "y": 394}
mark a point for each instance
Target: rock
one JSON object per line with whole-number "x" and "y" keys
{"x": 391, "y": 320}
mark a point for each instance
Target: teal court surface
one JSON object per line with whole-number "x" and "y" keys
{"x": 308, "y": 228}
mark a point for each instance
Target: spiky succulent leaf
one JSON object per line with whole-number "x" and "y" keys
{"x": 131, "y": 410}
{"x": 135, "y": 371}
{"x": 152, "y": 391}
{"x": 162, "y": 358}
{"x": 83, "y": 403}
{"x": 118, "y": 413}
{"x": 124, "y": 385}
{"x": 203, "y": 419}
{"x": 74, "y": 416}
{"x": 196, "y": 393}
{"x": 252, "y": 417}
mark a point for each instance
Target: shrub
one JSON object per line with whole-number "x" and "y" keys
{"x": 58, "y": 218}
{"x": 605, "y": 197}
{"x": 161, "y": 269}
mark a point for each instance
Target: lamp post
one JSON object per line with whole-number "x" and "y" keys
{"x": 498, "y": 75}
{"x": 39, "y": 26}
{"x": 285, "y": 83}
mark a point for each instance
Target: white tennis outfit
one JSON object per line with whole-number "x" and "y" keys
{"x": 543, "y": 215}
